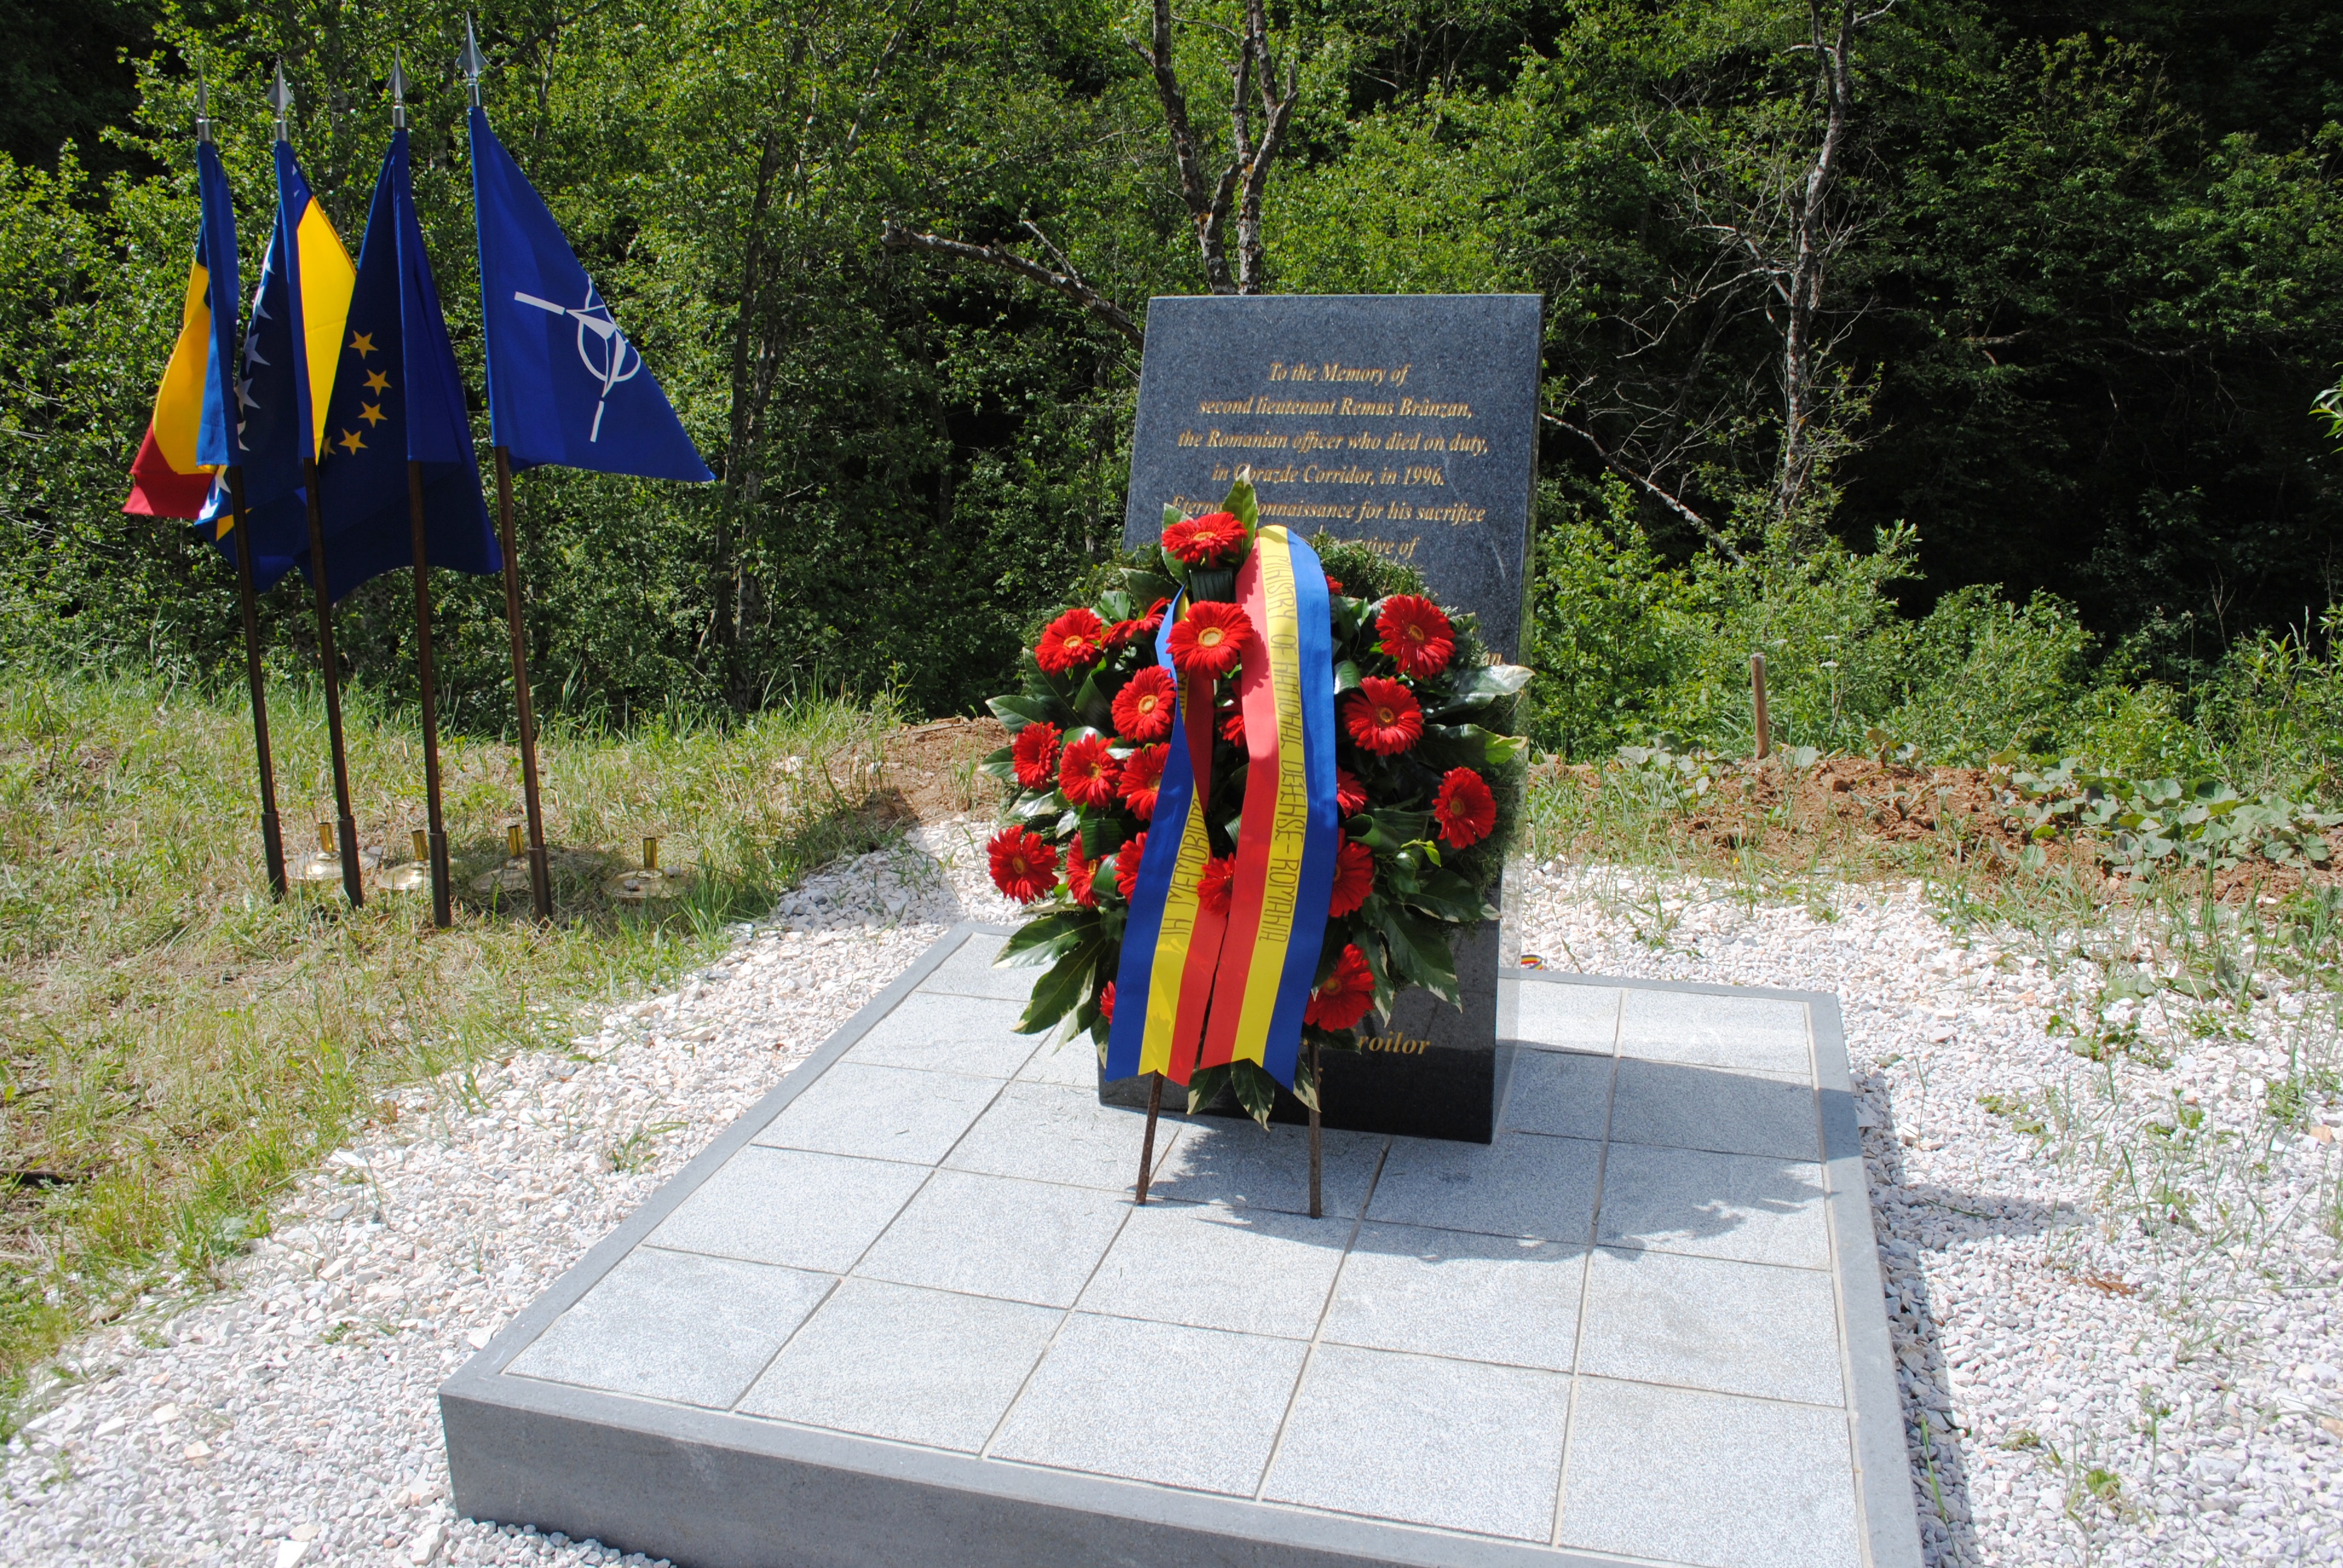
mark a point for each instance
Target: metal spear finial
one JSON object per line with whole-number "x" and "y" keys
{"x": 470, "y": 64}
{"x": 203, "y": 111}
{"x": 280, "y": 98}
{"x": 397, "y": 90}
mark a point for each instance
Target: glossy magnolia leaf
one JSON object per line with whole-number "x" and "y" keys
{"x": 1305, "y": 1084}
{"x": 1017, "y": 712}
{"x": 1390, "y": 831}
{"x": 1045, "y": 936}
{"x": 1419, "y": 950}
{"x": 1256, "y": 1089}
{"x": 1068, "y": 980}
{"x": 1205, "y": 1087}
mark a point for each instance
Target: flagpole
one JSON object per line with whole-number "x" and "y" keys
{"x": 272, "y": 833}
{"x": 345, "y": 825}
{"x": 540, "y": 875}
{"x": 442, "y": 907}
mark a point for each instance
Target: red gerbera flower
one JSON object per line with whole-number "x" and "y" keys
{"x": 1201, "y": 541}
{"x": 1333, "y": 583}
{"x": 1416, "y": 635}
{"x": 1119, "y": 635}
{"x": 1211, "y": 639}
{"x": 1142, "y": 775}
{"x": 1464, "y": 809}
{"x": 1344, "y": 997}
{"x": 1382, "y": 717}
{"x": 1349, "y": 795}
{"x": 1153, "y": 621}
{"x": 1354, "y": 879}
{"x": 1024, "y": 864}
{"x": 1089, "y": 773}
{"x": 1126, "y": 864}
{"x": 1078, "y": 875}
{"x": 1233, "y": 724}
{"x": 1142, "y": 708}
{"x": 1214, "y": 887}
{"x": 1074, "y": 640}
{"x": 1106, "y": 1002}
{"x": 1035, "y": 754}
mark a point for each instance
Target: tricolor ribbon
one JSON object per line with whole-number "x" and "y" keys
{"x": 1248, "y": 972}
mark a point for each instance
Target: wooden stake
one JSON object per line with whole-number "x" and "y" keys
{"x": 443, "y": 908}
{"x": 1318, "y": 1088}
{"x": 1147, "y": 1144}
{"x": 540, "y": 872}
{"x": 271, "y": 831}
{"x": 345, "y": 825}
{"x": 1758, "y": 690}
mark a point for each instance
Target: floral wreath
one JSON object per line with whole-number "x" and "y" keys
{"x": 1428, "y": 781}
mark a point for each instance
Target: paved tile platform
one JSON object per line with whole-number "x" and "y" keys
{"x": 904, "y": 1313}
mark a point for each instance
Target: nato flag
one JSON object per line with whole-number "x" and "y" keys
{"x": 398, "y": 399}
{"x": 565, "y": 387}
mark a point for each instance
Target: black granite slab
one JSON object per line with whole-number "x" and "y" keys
{"x": 1405, "y": 421}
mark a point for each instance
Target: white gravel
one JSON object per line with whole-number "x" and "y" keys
{"x": 2046, "y": 1304}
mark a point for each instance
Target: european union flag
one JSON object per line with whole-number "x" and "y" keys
{"x": 398, "y": 399}
{"x": 297, "y": 318}
{"x": 565, "y": 387}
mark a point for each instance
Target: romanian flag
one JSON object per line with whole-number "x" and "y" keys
{"x": 187, "y": 435}
{"x": 1194, "y": 989}
{"x": 291, "y": 348}
{"x": 1291, "y": 831}
{"x": 1171, "y": 943}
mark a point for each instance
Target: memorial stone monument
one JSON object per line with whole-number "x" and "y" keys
{"x": 1407, "y": 424}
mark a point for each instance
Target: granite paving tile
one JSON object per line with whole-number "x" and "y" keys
{"x": 1739, "y": 1206}
{"x": 970, "y": 972}
{"x": 1074, "y": 1062}
{"x": 1033, "y": 1242}
{"x": 1233, "y": 1161}
{"x": 961, "y": 1034}
{"x": 675, "y": 1326}
{"x": 1252, "y": 1270}
{"x": 1052, "y": 1132}
{"x": 1429, "y": 1441}
{"x": 1522, "y": 1185}
{"x": 1563, "y": 1093}
{"x": 1755, "y": 1034}
{"x": 1195, "y": 1407}
{"x": 881, "y": 1113}
{"x": 1502, "y": 1298}
{"x": 791, "y": 1207}
{"x": 1569, "y": 1017}
{"x": 1710, "y": 1108}
{"x": 1705, "y": 1323}
{"x": 1747, "y": 1483}
{"x": 894, "y": 1362}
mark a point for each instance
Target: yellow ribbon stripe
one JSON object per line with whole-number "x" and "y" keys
{"x": 1282, "y": 637}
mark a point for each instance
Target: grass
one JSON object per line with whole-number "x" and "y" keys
{"x": 177, "y": 1044}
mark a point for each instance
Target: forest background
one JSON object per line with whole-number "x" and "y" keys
{"x": 2061, "y": 487}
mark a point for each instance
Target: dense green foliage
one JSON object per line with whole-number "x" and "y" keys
{"x": 2084, "y": 287}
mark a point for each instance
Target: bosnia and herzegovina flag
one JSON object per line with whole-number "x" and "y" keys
{"x": 1249, "y": 970}
{"x": 565, "y": 387}
{"x": 289, "y": 347}
{"x": 187, "y": 435}
{"x": 397, "y": 397}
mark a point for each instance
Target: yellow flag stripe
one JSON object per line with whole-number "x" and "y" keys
{"x": 180, "y": 400}
{"x": 327, "y": 280}
{"x": 1290, "y": 823}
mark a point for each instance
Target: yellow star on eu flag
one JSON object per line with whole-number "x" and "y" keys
{"x": 372, "y": 414}
{"x": 363, "y": 342}
{"x": 350, "y": 443}
{"x": 376, "y": 381}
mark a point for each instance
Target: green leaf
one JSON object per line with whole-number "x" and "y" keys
{"x": 1419, "y": 950}
{"x": 1466, "y": 746}
{"x": 1240, "y": 501}
{"x": 1256, "y": 1089}
{"x": 1056, "y": 992}
{"x": 1389, "y": 831}
{"x": 1017, "y": 712}
{"x": 1346, "y": 678}
{"x": 1205, "y": 1086}
{"x": 1444, "y": 895}
{"x": 1043, "y": 937}
{"x": 1305, "y": 1083}
{"x": 1173, "y": 515}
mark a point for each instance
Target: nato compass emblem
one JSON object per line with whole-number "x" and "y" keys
{"x": 603, "y": 350}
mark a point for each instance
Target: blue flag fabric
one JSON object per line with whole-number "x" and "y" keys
{"x": 397, "y": 396}
{"x": 272, "y": 401}
{"x": 215, "y": 251}
{"x": 565, "y": 387}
